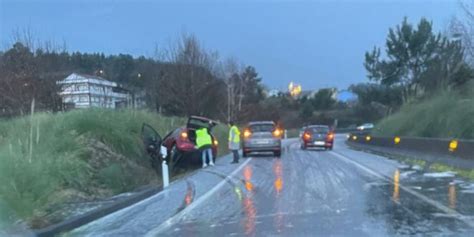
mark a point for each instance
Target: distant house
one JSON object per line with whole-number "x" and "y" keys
{"x": 346, "y": 96}
{"x": 273, "y": 93}
{"x": 87, "y": 91}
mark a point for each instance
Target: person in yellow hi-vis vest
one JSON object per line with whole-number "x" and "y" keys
{"x": 234, "y": 141}
{"x": 204, "y": 144}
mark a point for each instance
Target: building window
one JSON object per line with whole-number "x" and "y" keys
{"x": 84, "y": 98}
{"x": 82, "y": 88}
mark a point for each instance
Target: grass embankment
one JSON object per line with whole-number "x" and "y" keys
{"x": 446, "y": 115}
{"x": 438, "y": 167}
{"x": 49, "y": 159}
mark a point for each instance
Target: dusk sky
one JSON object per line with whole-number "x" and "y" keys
{"x": 315, "y": 43}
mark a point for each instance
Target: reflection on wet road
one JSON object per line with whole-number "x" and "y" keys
{"x": 247, "y": 202}
{"x": 396, "y": 186}
{"x": 452, "y": 195}
{"x": 304, "y": 193}
{"x": 313, "y": 193}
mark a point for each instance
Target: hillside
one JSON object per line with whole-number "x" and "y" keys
{"x": 446, "y": 115}
{"x": 84, "y": 155}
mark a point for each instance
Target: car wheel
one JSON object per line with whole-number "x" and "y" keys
{"x": 277, "y": 154}
{"x": 303, "y": 147}
{"x": 245, "y": 154}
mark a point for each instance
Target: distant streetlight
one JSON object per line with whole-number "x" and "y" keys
{"x": 139, "y": 75}
{"x": 101, "y": 71}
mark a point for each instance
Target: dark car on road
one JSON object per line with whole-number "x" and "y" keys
{"x": 317, "y": 136}
{"x": 181, "y": 143}
{"x": 262, "y": 136}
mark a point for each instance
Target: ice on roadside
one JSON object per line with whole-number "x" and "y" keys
{"x": 467, "y": 188}
{"x": 407, "y": 173}
{"x": 403, "y": 167}
{"x": 417, "y": 167}
{"x": 447, "y": 174}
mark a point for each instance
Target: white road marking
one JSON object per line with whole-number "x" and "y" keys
{"x": 421, "y": 196}
{"x": 172, "y": 220}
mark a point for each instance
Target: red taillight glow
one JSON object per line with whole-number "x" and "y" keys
{"x": 307, "y": 136}
{"x": 330, "y": 136}
{"x": 247, "y": 133}
{"x": 184, "y": 135}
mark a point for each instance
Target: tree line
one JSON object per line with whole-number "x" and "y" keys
{"x": 415, "y": 64}
{"x": 183, "y": 79}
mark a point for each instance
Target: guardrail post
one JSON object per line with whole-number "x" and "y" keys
{"x": 166, "y": 176}
{"x": 164, "y": 168}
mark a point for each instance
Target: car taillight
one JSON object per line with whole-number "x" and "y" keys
{"x": 277, "y": 133}
{"x": 307, "y": 136}
{"x": 216, "y": 142}
{"x": 247, "y": 133}
{"x": 330, "y": 136}
{"x": 184, "y": 135}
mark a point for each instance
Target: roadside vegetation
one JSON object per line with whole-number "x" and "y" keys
{"x": 423, "y": 164}
{"x": 423, "y": 84}
{"x": 83, "y": 155}
{"x": 448, "y": 114}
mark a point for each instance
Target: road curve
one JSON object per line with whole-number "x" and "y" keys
{"x": 303, "y": 193}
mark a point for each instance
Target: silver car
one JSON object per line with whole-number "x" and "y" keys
{"x": 263, "y": 136}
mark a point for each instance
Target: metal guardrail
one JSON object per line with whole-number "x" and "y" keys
{"x": 436, "y": 146}
{"x": 346, "y": 130}
{"x": 75, "y": 222}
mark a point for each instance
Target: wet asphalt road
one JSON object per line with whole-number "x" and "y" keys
{"x": 303, "y": 193}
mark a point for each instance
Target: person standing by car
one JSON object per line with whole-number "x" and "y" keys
{"x": 234, "y": 141}
{"x": 204, "y": 144}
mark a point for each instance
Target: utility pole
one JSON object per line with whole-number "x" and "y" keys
{"x": 229, "y": 98}
{"x": 241, "y": 91}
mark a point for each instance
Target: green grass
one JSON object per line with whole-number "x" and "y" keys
{"x": 465, "y": 173}
{"x": 46, "y": 158}
{"x": 438, "y": 167}
{"x": 445, "y": 115}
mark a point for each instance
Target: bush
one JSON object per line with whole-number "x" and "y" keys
{"x": 89, "y": 154}
{"x": 447, "y": 115}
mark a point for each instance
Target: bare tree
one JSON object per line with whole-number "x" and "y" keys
{"x": 189, "y": 83}
{"x": 231, "y": 75}
{"x": 462, "y": 28}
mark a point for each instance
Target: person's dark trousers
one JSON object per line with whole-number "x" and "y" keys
{"x": 236, "y": 155}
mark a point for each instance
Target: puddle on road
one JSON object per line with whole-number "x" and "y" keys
{"x": 444, "y": 187}
{"x": 405, "y": 214}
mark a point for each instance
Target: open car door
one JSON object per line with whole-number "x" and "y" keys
{"x": 152, "y": 143}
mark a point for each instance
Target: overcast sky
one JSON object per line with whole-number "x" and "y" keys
{"x": 315, "y": 43}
